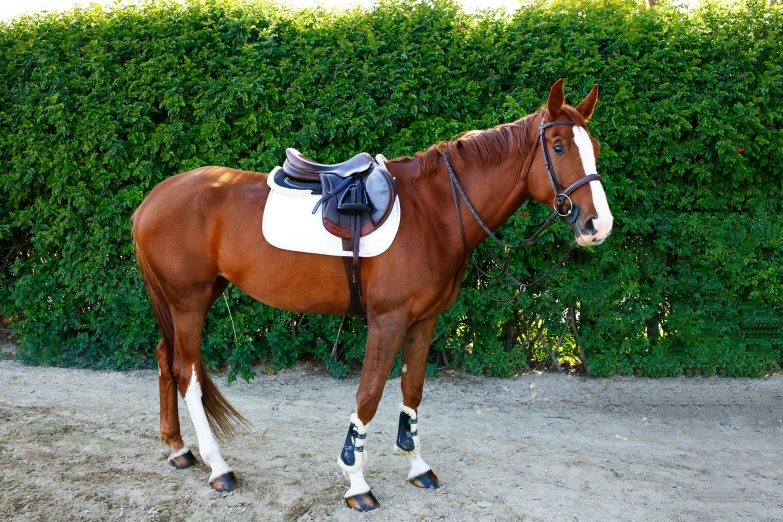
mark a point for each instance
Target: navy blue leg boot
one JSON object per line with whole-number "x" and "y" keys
{"x": 352, "y": 459}
{"x": 420, "y": 475}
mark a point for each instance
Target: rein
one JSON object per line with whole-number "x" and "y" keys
{"x": 561, "y": 196}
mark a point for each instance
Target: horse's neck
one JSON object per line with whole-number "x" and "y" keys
{"x": 495, "y": 191}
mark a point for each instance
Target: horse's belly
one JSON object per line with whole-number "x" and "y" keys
{"x": 292, "y": 281}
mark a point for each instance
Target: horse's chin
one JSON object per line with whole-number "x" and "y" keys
{"x": 589, "y": 241}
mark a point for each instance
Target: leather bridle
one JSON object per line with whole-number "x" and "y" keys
{"x": 561, "y": 196}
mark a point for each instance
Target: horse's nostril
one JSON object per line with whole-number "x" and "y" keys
{"x": 590, "y": 227}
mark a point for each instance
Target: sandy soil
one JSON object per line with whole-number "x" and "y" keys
{"x": 80, "y": 444}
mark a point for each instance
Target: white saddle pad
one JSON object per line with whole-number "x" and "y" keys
{"x": 289, "y": 224}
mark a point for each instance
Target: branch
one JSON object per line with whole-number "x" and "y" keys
{"x": 572, "y": 320}
{"x": 552, "y": 352}
{"x": 445, "y": 359}
{"x": 337, "y": 338}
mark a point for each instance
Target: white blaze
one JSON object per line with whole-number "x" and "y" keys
{"x": 604, "y": 219}
{"x": 207, "y": 445}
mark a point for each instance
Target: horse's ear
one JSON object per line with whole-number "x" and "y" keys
{"x": 588, "y": 104}
{"x": 556, "y": 99}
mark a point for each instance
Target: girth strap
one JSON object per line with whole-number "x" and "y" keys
{"x": 352, "y": 266}
{"x": 354, "y": 271}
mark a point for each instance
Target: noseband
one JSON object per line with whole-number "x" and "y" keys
{"x": 561, "y": 197}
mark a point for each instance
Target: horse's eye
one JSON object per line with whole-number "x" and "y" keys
{"x": 559, "y": 149}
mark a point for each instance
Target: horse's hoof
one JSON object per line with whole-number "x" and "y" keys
{"x": 225, "y": 482}
{"x": 427, "y": 480}
{"x": 363, "y": 502}
{"x": 183, "y": 461}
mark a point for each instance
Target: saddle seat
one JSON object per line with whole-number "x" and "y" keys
{"x": 301, "y": 168}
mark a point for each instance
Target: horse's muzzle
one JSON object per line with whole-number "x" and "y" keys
{"x": 593, "y": 231}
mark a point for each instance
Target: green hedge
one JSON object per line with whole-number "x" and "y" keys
{"x": 97, "y": 107}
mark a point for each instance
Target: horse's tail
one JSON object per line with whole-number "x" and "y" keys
{"x": 222, "y": 417}
{"x": 159, "y": 305}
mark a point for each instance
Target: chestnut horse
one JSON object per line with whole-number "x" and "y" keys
{"x": 200, "y": 230}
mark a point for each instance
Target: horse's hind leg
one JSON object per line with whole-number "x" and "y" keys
{"x": 383, "y": 342}
{"x": 199, "y": 391}
{"x": 181, "y": 457}
{"x": 414, "y": 362}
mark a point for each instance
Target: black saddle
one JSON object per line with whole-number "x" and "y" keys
{"x": 357, "y": 196}
{"x": 301, "y": 168}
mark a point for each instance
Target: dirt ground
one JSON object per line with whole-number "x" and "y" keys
{"x": 82, "y": 445}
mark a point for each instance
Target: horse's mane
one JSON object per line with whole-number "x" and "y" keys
{"x": 489, "y": 145}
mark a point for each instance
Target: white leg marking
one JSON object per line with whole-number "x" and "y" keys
{"x": 207, "y": 445}
{"x": 175, "y": 454}
{"x": 418, "y": 466}
{"x": 358, "y": 484}
{"x": 602, "y": 223}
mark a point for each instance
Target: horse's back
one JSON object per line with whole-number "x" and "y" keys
{"x": 181, "y": 220}
{"x": 202, "y": 192}
{"x": 201, "y": 185}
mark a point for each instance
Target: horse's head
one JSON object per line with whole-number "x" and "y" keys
{"x": 571, "y": 153}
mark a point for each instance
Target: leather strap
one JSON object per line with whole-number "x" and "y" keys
{"x": 356, "y": 308}
{"x": 353, "y": 269}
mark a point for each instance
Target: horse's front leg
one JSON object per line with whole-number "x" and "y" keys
{"x": 414, "y": 362}
{"x": 384, "y": 336}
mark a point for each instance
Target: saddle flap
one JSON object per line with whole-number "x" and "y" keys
{"x": 374, "y": 191}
